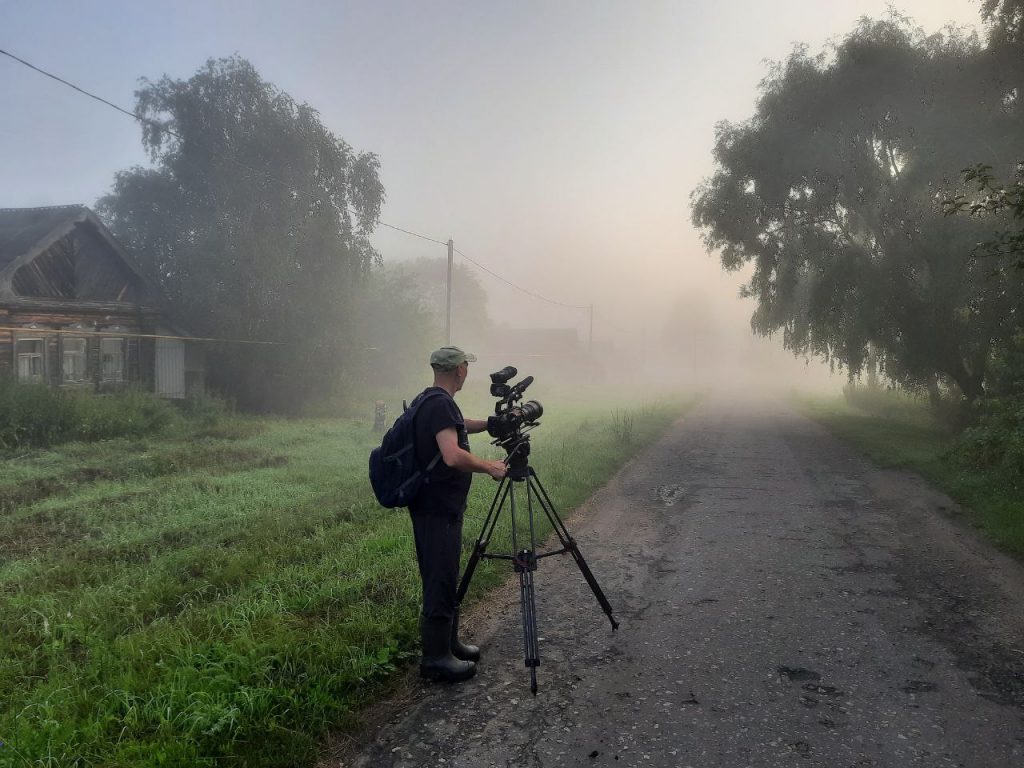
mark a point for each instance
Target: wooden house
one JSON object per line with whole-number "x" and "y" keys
{"x": 77, "y": 311}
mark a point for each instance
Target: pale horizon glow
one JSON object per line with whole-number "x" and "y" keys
{"x": 557, "y": 143}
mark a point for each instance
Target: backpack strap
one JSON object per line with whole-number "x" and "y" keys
{"x": 416, "y": 406}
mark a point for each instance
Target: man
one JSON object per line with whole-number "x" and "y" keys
{"x": 437, "y": 513}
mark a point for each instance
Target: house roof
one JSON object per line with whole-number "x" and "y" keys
{"x": 21, "y": 229}
{"x": 27, "y": 232}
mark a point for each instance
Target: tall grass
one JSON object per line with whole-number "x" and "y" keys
{"x": 37, "y": 415}
{"x": 191, "y": 599}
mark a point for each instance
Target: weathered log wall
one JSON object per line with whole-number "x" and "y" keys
{"x": 92, "y": 324}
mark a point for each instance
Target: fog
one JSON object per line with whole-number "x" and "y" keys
{"x": 557, "y": 144}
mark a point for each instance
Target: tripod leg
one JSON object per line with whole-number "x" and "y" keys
{"x": 484, "y": 538}
{"x": 528, "y": 598}
{"x": 525, "y": 564}
{"x": 570, "y": 545}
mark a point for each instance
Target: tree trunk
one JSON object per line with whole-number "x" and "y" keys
{"x": 934, "y": 396}
{"x": 970, "y": 384}
{"x": 872, "y": 366}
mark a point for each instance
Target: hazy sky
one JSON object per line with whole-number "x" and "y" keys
{"x": 556, "y": 142}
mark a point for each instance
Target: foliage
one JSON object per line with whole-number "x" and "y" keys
{"x": 993, "y": 198}
{"x": 829, "y": 192}
{"x": 397, "y": 330}
{"x": 1007, "y": 378}
{"x": 37, "y": 415}
{"x": 398, "y": 318}
{"x": 997, "y": 441}
{"x": 427, "y": 277}
{"x": 201, "y": 601}
{"x": 255, "y": 219}
{"x": 205, "y": 408}
{"x": 1005, "y": 19}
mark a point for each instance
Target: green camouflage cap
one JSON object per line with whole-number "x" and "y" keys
{"x": 449, "y": 358}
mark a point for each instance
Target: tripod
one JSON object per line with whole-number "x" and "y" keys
{"x": 524, "y": 561}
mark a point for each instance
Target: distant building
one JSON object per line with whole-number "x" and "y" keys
{"x": 76, "y": 310}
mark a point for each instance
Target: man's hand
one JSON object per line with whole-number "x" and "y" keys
{"x": 497, "y": 469}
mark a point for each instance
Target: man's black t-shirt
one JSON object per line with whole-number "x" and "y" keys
{"x": 446, "y": 490}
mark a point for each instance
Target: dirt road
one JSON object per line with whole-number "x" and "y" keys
{"x": 783, "y": 603}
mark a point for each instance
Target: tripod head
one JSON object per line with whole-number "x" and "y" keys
{"x": 518, "y": 458}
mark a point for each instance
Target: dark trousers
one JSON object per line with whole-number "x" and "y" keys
{"x": 438, "y": 547}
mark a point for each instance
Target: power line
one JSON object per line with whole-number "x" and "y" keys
{"x": 519, "y": 287}
{"x": 164, "y": 128}
{"x": 100, "y": 99}
{"x": 409, "y": 232}
{"x": 23, "y": 330}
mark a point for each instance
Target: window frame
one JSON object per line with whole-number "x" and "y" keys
{"x": 41, "y": 355}
{"x": 83, "y": 355}
{"x": 122, "y": 352}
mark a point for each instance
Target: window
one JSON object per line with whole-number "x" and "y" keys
{"x": 30, "y": 360}
{"x": 73, "y": 360}
{"x": 112, "y": 358}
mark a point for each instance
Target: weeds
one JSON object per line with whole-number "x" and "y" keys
{"x": 33, "y": 415}
{"x": 622, "y": 426}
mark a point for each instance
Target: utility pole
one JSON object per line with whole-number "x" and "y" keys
{"x": 590, "y": 336}
{"x": 448, "y": 314}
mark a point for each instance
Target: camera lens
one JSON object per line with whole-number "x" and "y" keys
{"x": 531, "y": 410}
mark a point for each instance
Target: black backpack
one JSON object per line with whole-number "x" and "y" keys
{"x": 395, "y": 474}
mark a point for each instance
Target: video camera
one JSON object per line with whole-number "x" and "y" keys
{"x": 505, "y": 426}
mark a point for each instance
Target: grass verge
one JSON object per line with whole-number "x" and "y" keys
{"x": 228, "y": 593}
{"x": 908, "y": 437}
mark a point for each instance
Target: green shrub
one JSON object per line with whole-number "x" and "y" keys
{"x": 127, "y": 414}
{"x": 206, "y": 409}
{"x": 37, "y": 415}
{"x": 997, "y": 441}
{"x": 31, "y": 415}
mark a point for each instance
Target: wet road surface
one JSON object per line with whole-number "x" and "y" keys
{"x": 782, "y": 602}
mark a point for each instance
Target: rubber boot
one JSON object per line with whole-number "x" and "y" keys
{"x": 461, "y": 650}
{"x": 438, "y": 662}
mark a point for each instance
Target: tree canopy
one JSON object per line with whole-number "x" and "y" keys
{"x": 831, "y": 191}
{"x": 1005, "y": 19}
{"x": 471, "y": 323}
{"x": 255, "y": 219}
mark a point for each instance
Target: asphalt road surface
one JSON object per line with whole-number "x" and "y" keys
{"x": 782, "y": 603}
